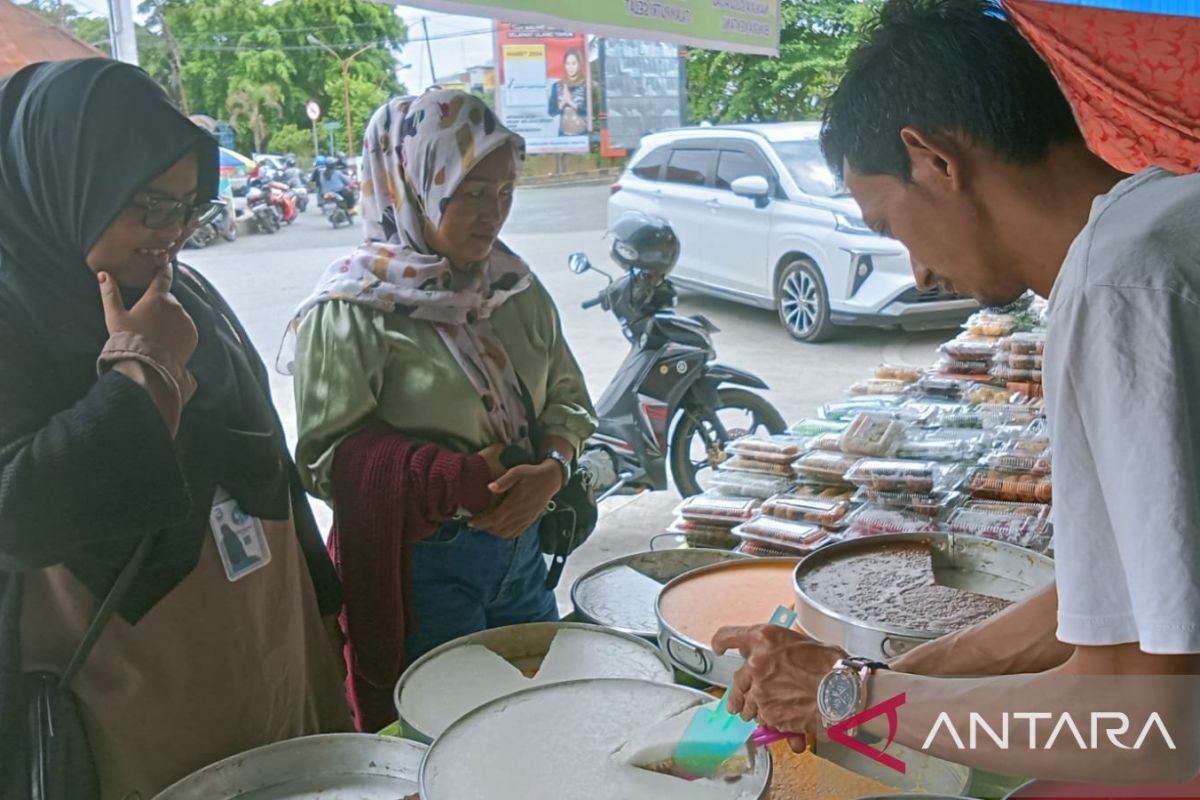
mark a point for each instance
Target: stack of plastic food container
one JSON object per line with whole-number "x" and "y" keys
{"x": 758, "y": 467}
{"x": 1019, "y": 363}
{"x": 792, "y": 524}
{"x": 707, "y": 520}
{"x": 901, "y": 496}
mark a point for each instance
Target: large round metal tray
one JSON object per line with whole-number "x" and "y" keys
{"x": 697, "y": 658}
{"x": 337, "y": 766}
{"x": 524, "y": 646}
{"x": 605, "y": 604}
{"x": 975, "y": 561}
{"x": 547, "y": 757}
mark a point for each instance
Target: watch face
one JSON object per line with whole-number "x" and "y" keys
{"x": 838, "y": 695}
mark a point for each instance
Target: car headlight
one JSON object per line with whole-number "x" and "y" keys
{"x": 849, "y": 224}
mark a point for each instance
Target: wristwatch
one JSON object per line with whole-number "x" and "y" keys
{"x": 565, "y": 463}
{"x": 842, "y": 693}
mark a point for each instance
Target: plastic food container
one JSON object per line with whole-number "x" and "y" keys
{"x": 814, "y": 427}
{"x": 980, "y": 394}
{"x": 846, "y": 410}
{"x": 953, "y": 366}
{"x": 878, "y": 386}
{"x": 873, "y": 434}
{"x": 1022, "y": 524}
{"x": 827, "y": 513}
{"x": 823, "y": 491}
{"x": 749, "y": 484}
{"x": 699, "y": 529}
{"x": 969, "y": 349}
{"x": 706, "y": 508}
{"x": 826, "y": 441}
{"x": 995, "y": 415}
{"x": 1018, "y": 458}
{"x": 1019, "y": 360}
{"x": 1016, "y": 375}
{"x": 824, "y": 466}
{"x": 898, "y": 373}
{"x": 798, "y": 536}
{"x": 1014, "y": 487}
{"x": 777, "y": 449}
{"x": 744, "y": 464}
{"x": 944, "y": 388}
{"x": 870, "y": 521}
{"x": 985, "y": 323}
{"x": 755, "y": 549}
{"x": 932, "y": 506}
{"x": 1024, "y": 343}
{"x": 895, "y": 475}
{"x": 940, "y": 449}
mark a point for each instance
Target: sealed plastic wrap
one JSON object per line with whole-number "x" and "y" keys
{"x": 984, "y": 394}
{"x": 898, "y": 373}
{"x": 814, "y": 427}
{"x": 949, "y": 449}
{"x": 1011, "y": 374}
{"x": 774, "y": 449}
{"x": 798, "y": 536}
{"x": 827, "y": 513}
{"x": 1020, "y": 457}
{"x": 1029, "y": 361}
{"x": 823, "y": 466}
{"x": 878, "y": 386}
{"x": 962, "y": 420}
{"x": 1033, "y": 344}
{"x": 993, "y": 484}
{"x": 826, "y": 441}
{"x": 846, "y": 410}
{"x": 954, "y": 366}
{"x": 995, "y": 415}
{"x": 744, "y": 464}
{"x": 934, "y": 505}
{"x": 1022, "y": 524}
{"x": 824, "y": 491}
{"x": 716, "y": 509}
{"x": 873, "y": 434}
{"x": 942, "y": 388}
{"x": 871, "y": 521}
{"x": 969, "y": 348}
{"x": 755, "y": 549}
{"x": 896, "y": 475}
{"x": 987, "y": 323}
{"x": 750, "y": 484}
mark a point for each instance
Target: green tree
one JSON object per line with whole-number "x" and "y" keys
{"x": 816, "y": 39}
{"x": 291, "y": 138}
{"x": 251, "y": 109}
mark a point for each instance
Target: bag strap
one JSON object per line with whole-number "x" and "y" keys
{"x": 107, "y": 608}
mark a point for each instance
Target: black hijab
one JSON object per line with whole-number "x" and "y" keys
{"x": 80, "y": 139}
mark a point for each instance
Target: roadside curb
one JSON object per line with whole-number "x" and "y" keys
{"x": 590, "y": 177}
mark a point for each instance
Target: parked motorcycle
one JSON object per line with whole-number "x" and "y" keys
{"x": 301, "y": 198}
{"x": 283, "y": 199}
{"x": 220, "y": 226}
{"x": 266, "y": 217}
{"x": 670, "y": 405}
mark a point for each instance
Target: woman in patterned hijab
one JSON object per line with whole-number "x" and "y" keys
{"x": 435, "y": 329}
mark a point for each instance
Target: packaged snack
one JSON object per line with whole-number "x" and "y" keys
{"x": 952, "y": 366}
{"x": 823, "y": 491}
{"x": 749, "y": 484}
{"x": 981, "y": 393}
{"x": 795, "y": 535}
{"x": 893, "y": 372}
{"x": 826, "y": 441}
{"x": 1016, "y": 375}
{"x": 814, "y": 427}
{"x": 995, "y": 415}
{"x": 869, "y": 521}
{"x": 710, "y": 530}
{"x": 935, "y": 448}
{"x": 776, "y": 449}
{"x": 744, "y": 464}
{"x": 847, "y": 410}
{"x": 1020, "y": 457}
{"x": 1027, "y": 388}
{"x": 1019, "y": 361}
{"x": 946, "y": 388}
{"x": 986, "y": 323}
{"x": 709, "y": 508}
{"x": 878, "y": 386}
{"x": 933, "y": 505}
{"x": 1017, "y": 523}
{"x": 1024, "y": 343}
{"x": 895, "y": 475}
{"x": 1015, "y": 487}
{"x": 760, "y": 550}
{"x": 966, "y": 348}
{"x": 961, "y": 420}
{"x": 823, "y": 466}
{"x": 813, "y": 510}
{"x": 873, "y": 434}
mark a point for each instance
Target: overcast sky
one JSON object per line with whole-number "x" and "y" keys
{"x": 458, "y": 43}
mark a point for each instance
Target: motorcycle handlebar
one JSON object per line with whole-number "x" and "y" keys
{"x": 595, "y": 301}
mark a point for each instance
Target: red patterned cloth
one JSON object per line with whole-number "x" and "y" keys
{"x": 1133, "y": 79}
{"x": 389, "y": 493}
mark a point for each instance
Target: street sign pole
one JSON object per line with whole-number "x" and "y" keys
{"x": 316, "y": 144}
{"x": 313, "y": 111}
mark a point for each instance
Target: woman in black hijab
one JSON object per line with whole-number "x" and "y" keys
{"x": 132, "y": 406}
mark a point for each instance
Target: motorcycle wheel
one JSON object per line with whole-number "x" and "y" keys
{"x": 697, "y": 445}
{"x": 229, "y": 233}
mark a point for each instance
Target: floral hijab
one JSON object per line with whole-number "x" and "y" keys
{"x": 417, "y": 151}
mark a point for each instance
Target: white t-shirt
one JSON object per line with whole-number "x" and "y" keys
{"x": 1122, "y": 378}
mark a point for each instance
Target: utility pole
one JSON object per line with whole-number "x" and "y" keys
{"x": 121, "y": 32}
{"x": 345, "y": 65}
{"x": 429, "y": 50}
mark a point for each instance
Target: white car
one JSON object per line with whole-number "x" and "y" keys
{"x": 762, "y": 221}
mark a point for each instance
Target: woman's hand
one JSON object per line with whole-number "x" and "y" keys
{"x": 157, "y": 317}
{"x": 525, "y": 491}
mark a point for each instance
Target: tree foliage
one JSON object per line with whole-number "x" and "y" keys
{"x": 816, "y": 39}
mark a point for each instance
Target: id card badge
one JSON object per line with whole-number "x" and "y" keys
{"x": 240, "y": 537}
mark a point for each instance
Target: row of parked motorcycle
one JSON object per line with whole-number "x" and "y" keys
{"x": 274, "y": 198}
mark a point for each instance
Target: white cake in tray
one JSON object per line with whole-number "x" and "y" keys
{"x": 566, "y": 741}
{"x": 461, "y": 679}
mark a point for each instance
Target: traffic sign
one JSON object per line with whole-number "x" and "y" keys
{"x": 312, "y": 110}
{"x": 332, "y": 125}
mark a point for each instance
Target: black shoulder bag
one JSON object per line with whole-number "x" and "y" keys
{"x": 571, "y": 515}
{"x": 55, "y": 761}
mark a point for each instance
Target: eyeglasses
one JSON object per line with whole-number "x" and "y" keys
{"x": 163, "y": 212}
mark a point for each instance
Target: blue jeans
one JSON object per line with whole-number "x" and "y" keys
{"x": 466, "y": 580}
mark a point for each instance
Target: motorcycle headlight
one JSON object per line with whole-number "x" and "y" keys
{"x": 850, "y": 224}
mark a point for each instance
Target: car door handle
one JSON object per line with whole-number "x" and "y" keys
{"x": 714, "y": 204}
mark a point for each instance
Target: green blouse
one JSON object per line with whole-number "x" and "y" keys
{"x": 355, "y": 364}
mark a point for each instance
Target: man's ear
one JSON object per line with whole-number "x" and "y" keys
{"x": 937, "y": 160}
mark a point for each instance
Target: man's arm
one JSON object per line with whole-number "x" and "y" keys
{"x": 1020, "y": 639}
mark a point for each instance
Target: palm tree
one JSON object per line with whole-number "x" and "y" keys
{"x": 250, "y": 105}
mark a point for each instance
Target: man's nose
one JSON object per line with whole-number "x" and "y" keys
{"x": 924, "y": 277}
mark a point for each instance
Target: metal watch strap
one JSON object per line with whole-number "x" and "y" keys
{"x": 563, "y": 462}
{"x": 859, "y": 663}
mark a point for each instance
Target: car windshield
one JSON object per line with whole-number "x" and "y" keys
{"x": 808, "y": 168}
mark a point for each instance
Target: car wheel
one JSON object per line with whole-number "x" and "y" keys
{"x": 803, "y": 302}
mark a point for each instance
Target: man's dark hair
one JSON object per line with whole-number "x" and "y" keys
{"x": 943, "y": 66}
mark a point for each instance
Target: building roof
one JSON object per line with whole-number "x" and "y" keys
{"x": 26, "y": 38}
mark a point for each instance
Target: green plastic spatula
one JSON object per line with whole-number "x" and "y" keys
{"x": 715, "y": 735}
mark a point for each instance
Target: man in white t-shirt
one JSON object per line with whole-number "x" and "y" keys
{"x": 954, "y": 137}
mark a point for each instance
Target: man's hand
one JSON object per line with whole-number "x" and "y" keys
{"x": 158, "y": 317}
{"x": 492, "y": 456}
{"x": 778, "y": 685}
{"x": 526, "y": 491}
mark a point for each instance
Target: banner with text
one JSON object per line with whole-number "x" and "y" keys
{"x": 544, "y": 87}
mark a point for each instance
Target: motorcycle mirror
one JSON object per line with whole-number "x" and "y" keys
{"x": 578, "y": 263}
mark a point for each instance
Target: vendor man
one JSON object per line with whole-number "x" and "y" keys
{"x": 953, "y": 136}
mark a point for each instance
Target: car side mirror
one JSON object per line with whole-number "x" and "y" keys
{"x": 578, "y": 263}
{"x": 756, "y": 187}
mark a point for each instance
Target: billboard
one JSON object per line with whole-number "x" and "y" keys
{"x": 644, "y": 89}
{"x": 544, "y": 87}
